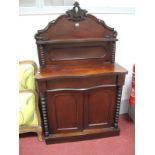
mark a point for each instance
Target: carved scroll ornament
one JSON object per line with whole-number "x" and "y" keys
{"x": 76, "y": 14}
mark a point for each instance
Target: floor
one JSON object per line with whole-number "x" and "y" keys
{"x": 119, "y": 145}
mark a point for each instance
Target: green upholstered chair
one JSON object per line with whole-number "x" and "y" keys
{"x": 29, "y": 116}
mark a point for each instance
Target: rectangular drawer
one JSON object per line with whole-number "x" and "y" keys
{"x": 81, "y": 82}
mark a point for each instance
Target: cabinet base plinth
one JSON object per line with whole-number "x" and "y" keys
{"x": 83, "y": 135}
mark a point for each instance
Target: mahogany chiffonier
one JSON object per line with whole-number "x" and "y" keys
{"x": 79, "y": 83}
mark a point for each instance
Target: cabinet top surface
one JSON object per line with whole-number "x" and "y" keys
{"x": 78, "y": 71}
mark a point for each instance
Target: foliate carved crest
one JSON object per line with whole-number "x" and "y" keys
{"x": 76, "y": 14}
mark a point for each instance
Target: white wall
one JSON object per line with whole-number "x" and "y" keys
{"x": 124, "y": 24}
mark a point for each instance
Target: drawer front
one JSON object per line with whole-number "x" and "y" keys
{"x": 81, "y": 82}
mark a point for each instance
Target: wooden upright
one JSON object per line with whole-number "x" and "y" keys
{"x": 79, "y": 83}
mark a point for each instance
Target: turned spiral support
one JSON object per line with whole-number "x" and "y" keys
{"x": 42, "y": 55}
{"x": 118, "y": 102}
{"x": 44, "y": 113}
{"x": 113, "y": 52}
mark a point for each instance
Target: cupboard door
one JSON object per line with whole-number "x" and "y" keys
{"x": 99, "y": 107}
{"x": 65, "y": 111}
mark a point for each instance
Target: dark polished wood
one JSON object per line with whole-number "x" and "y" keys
{"x": 78, "y": 81}
{"x": 84, "y": 135}
{"x": 91, "y": 69}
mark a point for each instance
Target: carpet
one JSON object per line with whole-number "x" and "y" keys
{"x": 124, "y": 144}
